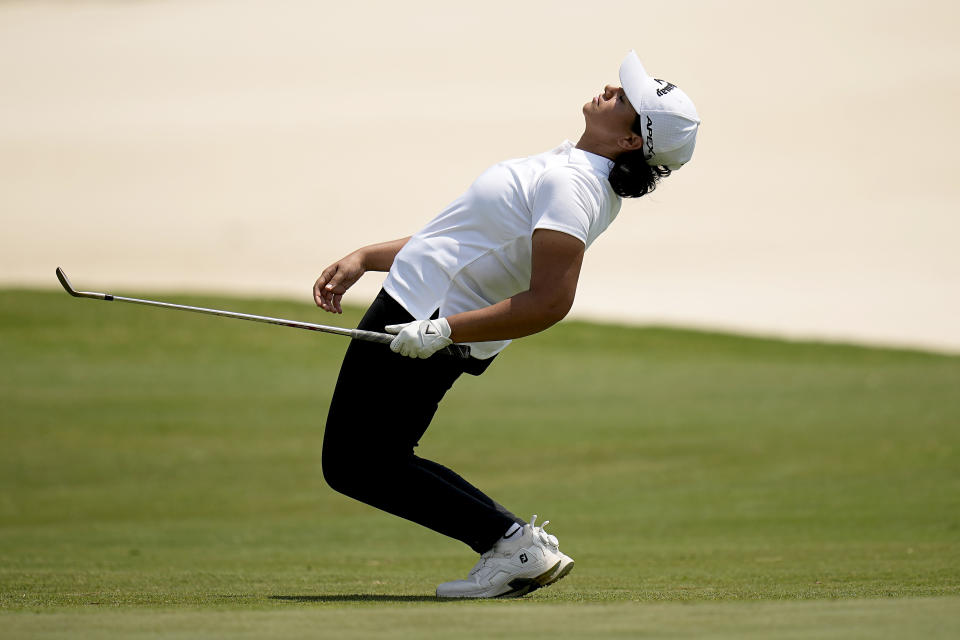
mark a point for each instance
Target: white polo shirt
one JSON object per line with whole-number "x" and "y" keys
{"x": 477, "y": 252}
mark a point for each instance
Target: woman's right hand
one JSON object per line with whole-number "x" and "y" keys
{"x": 329, "y": 288}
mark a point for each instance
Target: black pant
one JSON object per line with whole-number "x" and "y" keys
{"x": 382, "y": 405}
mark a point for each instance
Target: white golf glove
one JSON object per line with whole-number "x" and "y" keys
{"x": 420, "y": 338}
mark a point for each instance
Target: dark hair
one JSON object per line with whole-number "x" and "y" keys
{"x": 631, "y": 176}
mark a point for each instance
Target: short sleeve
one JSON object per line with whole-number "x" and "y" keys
{"x": 563, "y": 202}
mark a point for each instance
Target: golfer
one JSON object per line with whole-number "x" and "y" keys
{"x": 500, "y": 262}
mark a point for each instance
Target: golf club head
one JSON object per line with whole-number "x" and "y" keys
{"x": 62, "y": 277}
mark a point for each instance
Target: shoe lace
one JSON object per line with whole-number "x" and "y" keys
{"x": 542, "y": 535}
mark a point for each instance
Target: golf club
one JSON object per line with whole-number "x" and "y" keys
{"x": 454, "y": 350}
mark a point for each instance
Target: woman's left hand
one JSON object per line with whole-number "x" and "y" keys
{"x": 420, "y": 338}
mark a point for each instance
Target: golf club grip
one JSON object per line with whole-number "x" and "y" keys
{"x": 372, "y": 336}
{"x": 460, "y": 351}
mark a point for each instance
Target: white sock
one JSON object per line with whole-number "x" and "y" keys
{"x": 512, "y": 530}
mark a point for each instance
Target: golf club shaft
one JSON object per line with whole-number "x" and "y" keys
{"x": 369, "y": 336}
{"x": 459, "y": 351}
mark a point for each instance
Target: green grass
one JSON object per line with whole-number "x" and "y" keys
{"x": 159, "y": 473}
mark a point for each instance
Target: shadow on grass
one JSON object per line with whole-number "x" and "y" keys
{"x": 358, "y": 597}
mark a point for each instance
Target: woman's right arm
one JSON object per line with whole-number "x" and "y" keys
{"x": 329, "y": 288}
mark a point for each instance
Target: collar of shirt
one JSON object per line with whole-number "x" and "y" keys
{"x": 600, "y": 164}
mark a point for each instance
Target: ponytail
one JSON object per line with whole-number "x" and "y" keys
{"x": 631, "y": 176}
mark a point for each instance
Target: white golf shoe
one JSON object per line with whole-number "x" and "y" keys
{"x": 527, "y": 561}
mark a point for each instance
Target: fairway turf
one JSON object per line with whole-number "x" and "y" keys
{"x": 160, "y": 472}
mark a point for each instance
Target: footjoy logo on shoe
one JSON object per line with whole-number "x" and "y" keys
{"x": 523, "y": 558}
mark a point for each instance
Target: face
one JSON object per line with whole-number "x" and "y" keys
{"x": 610, "y": 113}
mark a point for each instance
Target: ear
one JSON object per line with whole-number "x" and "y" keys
{"x": 631, "y": 142}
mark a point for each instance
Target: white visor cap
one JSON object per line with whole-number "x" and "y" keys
{"x": 669, "y": 119}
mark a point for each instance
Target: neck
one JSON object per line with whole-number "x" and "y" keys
{"x": 599, "y": 147}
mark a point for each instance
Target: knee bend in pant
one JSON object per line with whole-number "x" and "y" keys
{"x": 355, "y": 470}
{"x": 340, "y": 471}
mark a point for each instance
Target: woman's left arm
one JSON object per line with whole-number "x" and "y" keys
{"x": 555, "y": 270}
